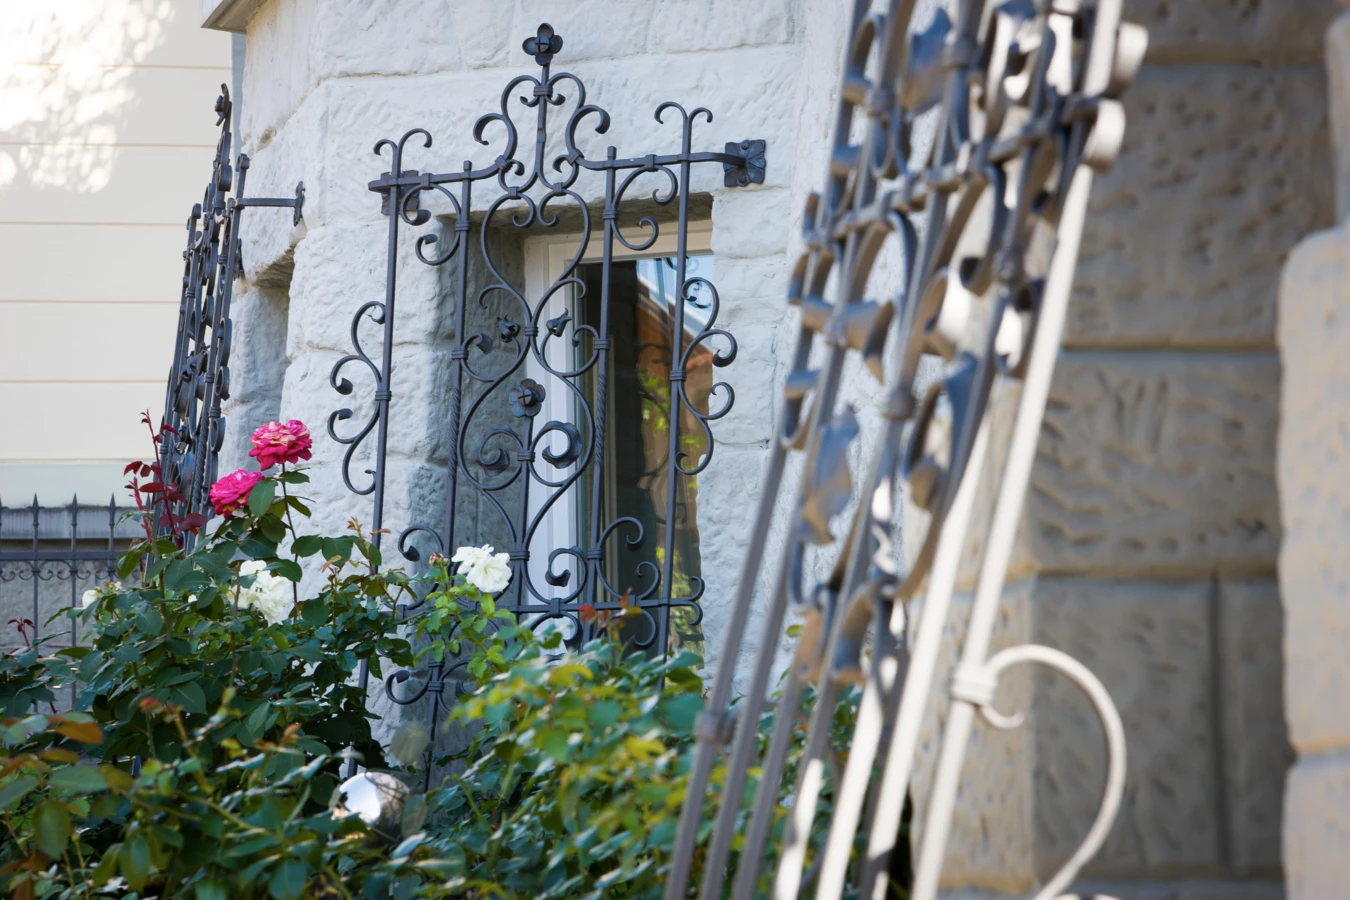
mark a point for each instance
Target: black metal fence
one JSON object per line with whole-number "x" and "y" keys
{"x": 49, "y": 557}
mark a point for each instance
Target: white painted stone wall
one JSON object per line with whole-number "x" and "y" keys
{"x": 1150, "y": 538}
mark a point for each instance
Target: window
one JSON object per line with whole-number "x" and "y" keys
{"x": 638, "y": 482}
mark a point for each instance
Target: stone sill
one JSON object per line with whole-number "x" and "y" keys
{"x": 228, "y": 15}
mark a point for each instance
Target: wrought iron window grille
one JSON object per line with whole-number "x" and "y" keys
{"x": 199, "y": 378}
{"x": 510, "y": 446}
{"x": 1024, "y": 98}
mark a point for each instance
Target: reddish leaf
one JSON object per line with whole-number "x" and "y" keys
{"x": 132, "y": 467}
{"x": 152, "y": 487}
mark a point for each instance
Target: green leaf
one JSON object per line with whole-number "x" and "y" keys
{"x": 337, "y": 547}
{"x": 52, "y": 824}
{"x": 212, "y": 890}
{"x": 188, "y": 695}
{"x": 272, "y": 528}
{"x": 257, "y": 720}
{"x": 554, "y": 743}
{"x": 135, "y": 860}
{"x": 603, "y": 713}
{"x": 16, "y": 790}
{"x": 293, "y": 477}
{"x": 287, "y": 568}
{"x": 149, "y": 621}
{"x": 307, "y": 545}
{"x": 106, "y": 866}
{"x": 313, "y": 612}
{"x": 260, "y": 498}
{"x": 127, "y": 563}
{"x": 78, "y": 780}
{"x": 299, "y": 506}
{"x": 288, "y": 881}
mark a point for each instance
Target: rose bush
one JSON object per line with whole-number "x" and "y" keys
{"x": 215, "y": 710}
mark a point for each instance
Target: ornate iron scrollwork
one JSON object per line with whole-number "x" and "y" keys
{"x": 1023, "y": 96}
{"x": 504, "y": 390}
{"x": 199, "y": 379}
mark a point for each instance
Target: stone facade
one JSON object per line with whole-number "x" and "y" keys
{"x": 1314, "y": 565}
{"x": 1151, "y": 533}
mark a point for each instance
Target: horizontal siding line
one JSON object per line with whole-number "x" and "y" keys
{"x": 69, "y": 300}
{"x": 84, "y": 381}
{"x": 178, "y": 225}
{"x": 83, "y": 65}
{"x": 113, "y": 144}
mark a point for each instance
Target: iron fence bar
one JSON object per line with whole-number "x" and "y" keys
{"x": 1070, "y": 125}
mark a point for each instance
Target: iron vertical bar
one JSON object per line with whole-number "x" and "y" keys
{"x": 74, "y": 580}
{"x": 383, "y": 393}
{"x": 595, "y": 552}
{"x": 37, "y": 573}
{"x": 676, "y": 392}
{"x": 715, "y": 719}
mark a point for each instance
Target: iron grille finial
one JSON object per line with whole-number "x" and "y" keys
{"x": 545, "y": 44}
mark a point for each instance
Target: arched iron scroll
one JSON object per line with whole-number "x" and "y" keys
{"x": 986, "y": 221}
{"x": 199, "y": 380}
{"x": 529, "y": 393}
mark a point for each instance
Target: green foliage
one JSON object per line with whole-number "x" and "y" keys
{"x": 182, "y": 828}
{"x": 570, "y": 784}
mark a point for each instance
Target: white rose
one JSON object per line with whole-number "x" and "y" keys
{"x": 270, "y": 594}
{"x": 91, "y": 596}
{"x": 485, "y": 570}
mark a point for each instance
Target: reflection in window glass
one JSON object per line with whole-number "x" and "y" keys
{"x": 637, "y": 466}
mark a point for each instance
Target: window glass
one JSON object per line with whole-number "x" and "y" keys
{"x": 637, "y": 467}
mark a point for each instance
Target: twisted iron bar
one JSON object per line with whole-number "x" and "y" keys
{"x": 199, "y": 378}
{"x": 1024, "y": 99}
{"x": 524, "y": 190}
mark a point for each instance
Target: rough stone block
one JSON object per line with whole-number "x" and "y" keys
{"x": 992, "y": 842}
{"x": 340, "y": 268}
{"x": 394, "y": 37}
{"x": 257, "y": 370}
{"x": 1262, "y": 31}
{"x": 278, "y": 74}
{"x": 1222, "y": 171}
{"x": 1255, "y": 744}
{"x": 1315, "y": 508}
{"x": 1149, "y": 644}
{"x": 1317, "y": 827}
{"x": 713, "y": 25}
{"x": 1158, "y": 462}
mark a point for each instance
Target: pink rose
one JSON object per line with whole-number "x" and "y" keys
{"x": 277, "y": 443}
{"x": 231, "y": 492}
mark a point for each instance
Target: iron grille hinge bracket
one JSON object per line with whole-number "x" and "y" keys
{"x": 296, "y": 203}
{"x": 750, "y": 170}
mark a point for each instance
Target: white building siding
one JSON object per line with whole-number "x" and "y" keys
{"x": 106, "y": 137}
